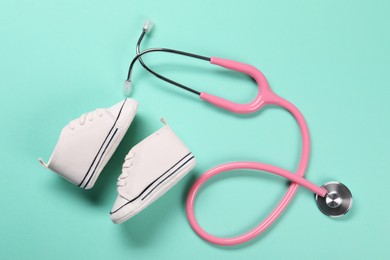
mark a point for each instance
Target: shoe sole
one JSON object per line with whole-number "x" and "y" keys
{"x": 164, "y": 183}
{"x": 114, "y": 137}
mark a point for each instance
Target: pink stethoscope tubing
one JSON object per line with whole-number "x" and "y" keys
{"x": 265, "y": 96}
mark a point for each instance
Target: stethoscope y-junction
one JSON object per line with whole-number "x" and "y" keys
{"x": 333, "y": 198}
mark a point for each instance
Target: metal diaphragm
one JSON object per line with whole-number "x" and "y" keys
{"x": 338, "y": 200}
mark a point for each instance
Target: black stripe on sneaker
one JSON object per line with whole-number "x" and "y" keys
{"x": 162, "y": 175}
{"x": 101, "y": 147}
{"x": 169, "y": 175}
{"x": 101, "y": 156}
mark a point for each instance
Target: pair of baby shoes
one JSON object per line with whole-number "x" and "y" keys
{"x": 150, "y": 169}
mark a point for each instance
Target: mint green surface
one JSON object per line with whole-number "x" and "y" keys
{"x": 59, "y": 59}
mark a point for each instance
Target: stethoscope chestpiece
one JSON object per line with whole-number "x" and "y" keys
{"x": 338, "y": 200}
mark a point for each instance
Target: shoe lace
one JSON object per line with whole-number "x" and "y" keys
{"x": 126, "y": 165}
{"x": 84, "y": 117}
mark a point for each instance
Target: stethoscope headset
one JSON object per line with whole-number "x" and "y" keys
{"x": 333, "y": 198}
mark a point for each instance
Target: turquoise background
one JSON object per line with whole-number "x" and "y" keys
{"x": 59, "y": 59}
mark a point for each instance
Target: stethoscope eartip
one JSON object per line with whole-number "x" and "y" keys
{"x": 338, "y": 200}
{"x": 127, "y": 87}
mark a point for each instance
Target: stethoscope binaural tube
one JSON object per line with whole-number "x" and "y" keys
{"x": 297, "y": 179}
{"x": 333, "y": 199}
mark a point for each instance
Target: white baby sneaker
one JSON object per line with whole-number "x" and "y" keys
{"x": 86, "y": 144}
{"x": 150, "y": 169}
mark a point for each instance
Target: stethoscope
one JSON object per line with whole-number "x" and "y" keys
{"x": 333, "y": 198}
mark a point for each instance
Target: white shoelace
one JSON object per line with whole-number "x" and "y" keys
{"x": 126, "y": 165}
{"x": 90, "y": 116}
